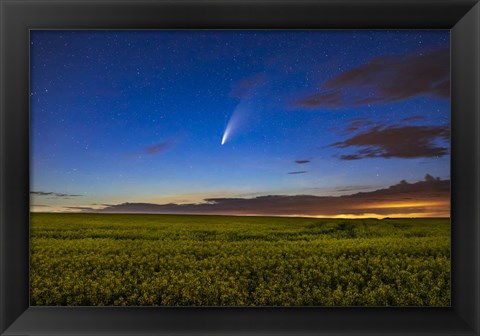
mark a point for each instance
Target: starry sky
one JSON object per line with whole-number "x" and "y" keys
{"x": 345, "y": 123}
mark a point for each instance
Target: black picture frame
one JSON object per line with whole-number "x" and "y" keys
{"x": 17, "y": 17}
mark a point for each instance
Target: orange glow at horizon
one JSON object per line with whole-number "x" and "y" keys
{"x": 413, "y": 204}
{"x": 369, "y": 208}
{"x": 379, "y": 216}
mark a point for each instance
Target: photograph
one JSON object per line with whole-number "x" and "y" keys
{"x": 228, "y": 168}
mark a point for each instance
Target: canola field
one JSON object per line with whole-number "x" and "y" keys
{"x": 193, "y": 260}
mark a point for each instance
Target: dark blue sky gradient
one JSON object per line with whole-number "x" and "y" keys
{"x": 139, "y": 116}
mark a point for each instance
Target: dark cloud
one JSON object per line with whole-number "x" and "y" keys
{"x": 158, "y": 148}
{"x": 325, "y": 99}
{"x": 78, "y": 208}
{"x": 396, "y": 141}
{"x": 41, "y": 205}
{"x": 297, "y": 172}
{"x": 413, "y": 118}
{"x": 357, "y": 123}
{"x": 302, "y": 161}
{"x": 352, "y": 188}
{"x": 350, "y": 157}
{"x": 246, "y": 86}
{"x": 54, "y": 194}
{"x": 429, "y": 197}
{"x": 386, "y": 79}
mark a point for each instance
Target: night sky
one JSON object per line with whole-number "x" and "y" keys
{"x": 309, "y": 123}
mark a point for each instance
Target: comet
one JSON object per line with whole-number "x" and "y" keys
{"x": 227, "y": 131}
{"x": 225, "y": 135}
{"x": 236, "y": 120}
{"x": 248, "y": 90}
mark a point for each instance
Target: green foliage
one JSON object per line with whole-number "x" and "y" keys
{"x": 170, "y": 260}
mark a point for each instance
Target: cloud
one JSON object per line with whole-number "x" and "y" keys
{"x": 357, "y": 123}
{"x": 297, "y": 172}
{"x": 396, "y": 141}
{"x": 54, "y": 194}
{"x": 246, "y": 86}
{"x": 158, "y": 148}
{"x": 302, "y": 161}
{"x": 413, "y": 118}
{"x": 78, "y": 208}
{"x": 326, "y": 99}
{"x": 352, "y": 188}
{"x": 386, "y": 79}
{"x": 428, "y": 197}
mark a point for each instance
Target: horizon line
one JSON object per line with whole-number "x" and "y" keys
{"x": 340, "y": 216}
